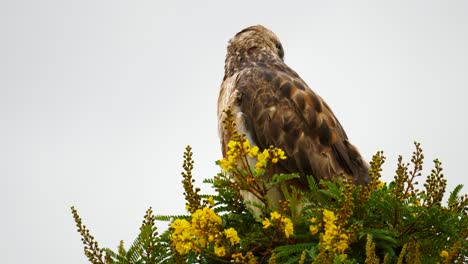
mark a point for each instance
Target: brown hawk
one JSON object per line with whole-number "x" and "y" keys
{"x": 273, "y": 106}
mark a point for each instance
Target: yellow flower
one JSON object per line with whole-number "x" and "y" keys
{"x": 181, "y": 236}
{"x": 341, "y": 245}
{"x": 277, "y": 154}
{"x": 205, "y": 217}
{"x": 266, "y": 223}
{"x": 327, "y": 238}
{"x": 202, "y": 231}
{"x": 263, "y": 157}
{"x": 416, "y": 203}
{"x": 262, "y": 161}
{"x": 303, "y": 257}
{"x": 342, "y": 257}
{"x": 283, "y": 223}
{"x": 333, "y": 237}
{"x": 184, "y": 248}
{"x": 331, "y": 230}
{"x": 313, "y": 220}
{"x": 281, "y": 154}
{"x": 288, "y": 226}
{"x": 232, "y": 144}
{"x": 245, "y": 145}
{"x": 231, "y": 234}
{"x": 313, "y": 229}
{"x": 180, "y": 225}
{"x": 275, "y": 216}
{"x": 259, "y": 167}
{"x": 253, "y": 151}
{"x": 444, "y": 254}
{"x": 238, "y": 257}
{"x": 225, "y": 164}
{"x": 210, "y": 200}
{"x": 328, "y": 216}
{"x": 251, "y": 258}
{"x": 219, "y": 251}
{"x": 234, "y": 149}
{"x": 380, "y": 185}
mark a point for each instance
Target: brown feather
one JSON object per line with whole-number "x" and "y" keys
{"x": 274, "y": 106}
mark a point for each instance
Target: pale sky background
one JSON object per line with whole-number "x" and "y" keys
{"x": 98, "y": 100}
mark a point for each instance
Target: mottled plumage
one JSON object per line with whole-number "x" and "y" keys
{"x": 274, "y": 106}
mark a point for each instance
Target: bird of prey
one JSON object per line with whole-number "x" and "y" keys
{"x": 273, "y": 106}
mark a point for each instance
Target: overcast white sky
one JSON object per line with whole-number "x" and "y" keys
{"x": 98, "y": 100}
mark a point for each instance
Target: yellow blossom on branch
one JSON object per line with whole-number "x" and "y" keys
{"x": 231, "y": 234}
{"x": 239, "y": 149}
{"x": 182, "y": 236}
{"x": 380, "y": 185}
{"x": 234, "y": 148}
{"x": 278, "y": 221}
{"x": 328, "y": 216}
{"x": 225, "y": 164}
{"x": 277, "y": 154}
{"x": 238, "y": 257}
{"x": 203, "y": 230}
{"x": 333, "y": 238}
{"x": 251, "y": 258}
{"x": 266, "y": 223}
{"x": 205, "y": 218}
{"x": 275, "y": 216}
{"x": 271, "y": 154}
{"x": 253, "y": 152}
{"x": 210, "y": 200}
{"x": 262, "y": 161}
{"x": 313, "y": 229}
{"x": 288, "y": 226}
{"x": 342, "y": 244}
{"x": 219, "y": 251}
{"x": 444, "y": 254}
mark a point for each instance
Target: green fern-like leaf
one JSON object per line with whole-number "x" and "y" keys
{"x": 287, "y": 251}
{"x": 169, "y": 218}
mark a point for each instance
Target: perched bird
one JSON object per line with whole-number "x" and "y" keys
{"x": 273, "y": 106}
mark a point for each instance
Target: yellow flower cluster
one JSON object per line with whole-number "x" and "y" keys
{"x": 313, "y": 228}
{"x": 333, "y": 237}
{"x": 271, "y": 154}
{"x": 231, "y": 234}
{"x": 444, "y": 254}
{"x": 278, "y": 221}
{"x": 380, "y": 185}
{"x": 182, "y": 236}
{"x": 239, "y": 148}
{"x": 219, "y": 251}
{"x": 203, "y": 230}
{"x": 210, "y": 201}
{"x": 240, "y": 258}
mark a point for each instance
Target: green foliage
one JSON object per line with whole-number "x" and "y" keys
{"x": 338, "y": 222}
{"x": 148, "y": 247}
{"x": 92, "y": 251}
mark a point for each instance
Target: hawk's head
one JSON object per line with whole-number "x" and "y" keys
{"x": 255, "y": 38}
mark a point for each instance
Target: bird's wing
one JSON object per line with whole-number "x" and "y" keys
{"x": 280, "y": 110}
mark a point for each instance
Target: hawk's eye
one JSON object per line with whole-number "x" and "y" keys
{"x": 280, "y": 50}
